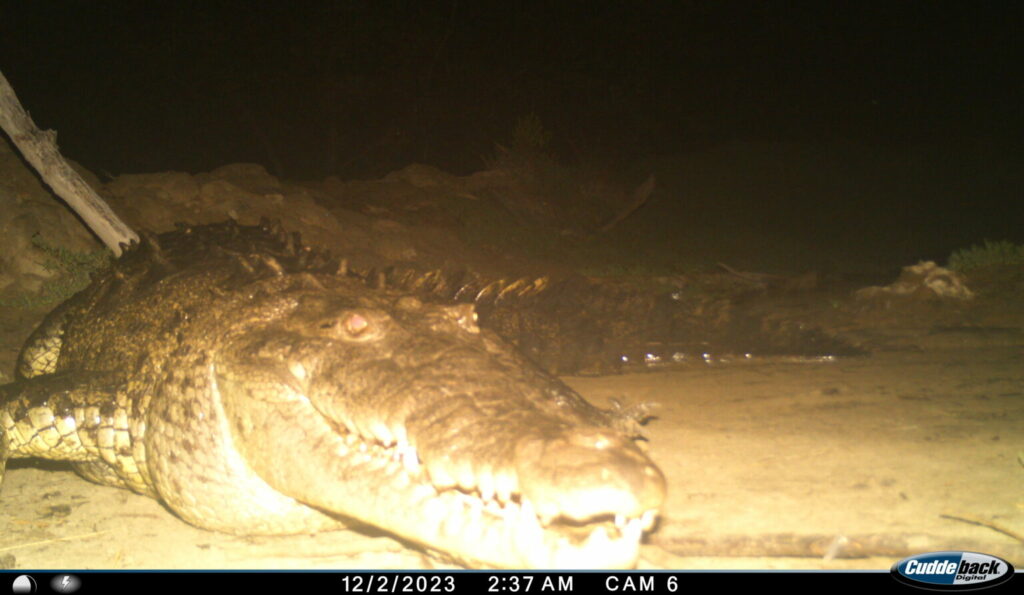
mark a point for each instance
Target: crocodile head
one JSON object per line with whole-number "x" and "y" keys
{"x": 407, "y": 416}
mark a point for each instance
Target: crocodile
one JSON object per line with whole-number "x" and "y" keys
{"x": 572, "y": 324}
{"x": 258, "y": 387}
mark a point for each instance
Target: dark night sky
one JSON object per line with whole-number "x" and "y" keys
{"x": 362, "y": 88}
{"x": 131, "y": 87}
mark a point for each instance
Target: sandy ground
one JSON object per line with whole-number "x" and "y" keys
{"x": 894, "y": 453}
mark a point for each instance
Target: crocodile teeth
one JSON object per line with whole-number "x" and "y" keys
{"x": 546, "y": 512}
{"x": 439, "y": 476}
{"x": 362, "y": 428}
{"x": 400, "y": 433}
{"x": 410, "y": 460}
{"x": 476, "y": 514}
{"x": 494, "y": 509}
{"x": 509, "y": 513}
{"x": 505, "y": 485}
{"x": 634, "y": 530}
{"x": 350, "y": 428}
{"x": 423, "y": 492}
{"x": 647, "y": 520}
{"x": 466, "y": 477}
{"x": 529, "y": 531}
{"x": 381, "y": 432}
{"x": 598, "y": 538}
{"x": 488, "y": 507}
{"x": 485, "y": 483}
{"x": 526, "y": 509}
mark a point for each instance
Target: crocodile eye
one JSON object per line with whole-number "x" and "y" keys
{"x": 355, "y": 324}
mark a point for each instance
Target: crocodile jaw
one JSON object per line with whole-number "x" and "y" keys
{"x": 465, "y": 527}
{"x": 350, "y": 477}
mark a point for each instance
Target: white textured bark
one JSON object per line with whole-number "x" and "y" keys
{"x": 39, "y": 148}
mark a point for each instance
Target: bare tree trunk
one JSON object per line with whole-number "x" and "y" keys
{"x": 40, "y": 149}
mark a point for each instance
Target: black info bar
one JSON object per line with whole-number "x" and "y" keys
{"x": 441, "y": 582}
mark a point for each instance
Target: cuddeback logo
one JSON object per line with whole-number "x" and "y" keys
{"x": 952, "y": 571}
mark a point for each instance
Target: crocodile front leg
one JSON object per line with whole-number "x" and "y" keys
{"x": 79, "y": 417}
{"x": 39, "y": 355}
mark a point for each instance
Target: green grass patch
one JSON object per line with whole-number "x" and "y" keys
{"x": 989, "y": 254}
{"x": 72, "y": 271}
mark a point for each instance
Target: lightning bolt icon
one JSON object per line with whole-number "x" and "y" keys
{"x": 64, "y": 582}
